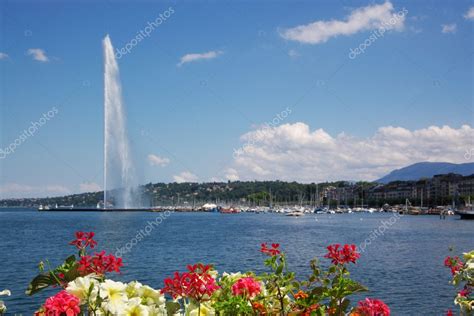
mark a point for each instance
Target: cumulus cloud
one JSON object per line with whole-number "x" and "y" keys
{"x": 448, "y": 28}
{"x": 155, "y": 160}
{"x": 295, "y": 152}
{"x": 198, "y": 56}
{"x": 89, "y": 187}
{"x": 185, "y": 176}
{"x": 232, "y": 174}
{"x": 3, "y": 56}
{"x": 38, "y": 54}
{"x": 469, "y": 14}
{"x": 367, "y": 18}
{"x": 16, "y": 190}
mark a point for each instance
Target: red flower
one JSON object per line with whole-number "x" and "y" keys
{"x": 300, "y": 295}
{"x": 372, "y": 307}
{"x": 454, "y": 263}
{"x": 247, "y": 287}
{"x": 197, "y": 283}
{"x": 449, "y": 313}
{"x": 99, "y": 264}
{"x": 271, "y": 251}
{"x": 347, "y": 254}
{"x": 62, "y": 303}
{"x": 83, "y": 240}
{"x": 259, "y": 307}
{"x": 464, "y": 292}
{"x": 309, "y": 310}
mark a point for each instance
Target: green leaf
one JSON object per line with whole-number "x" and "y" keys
{"x": 40, "y": 282}
{"x": 279, "y": 269}
{"x": 172, "y": 307}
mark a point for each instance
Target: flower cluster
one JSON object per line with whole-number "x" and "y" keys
{"x": 198, "y": 283}
{"x": 84, "y": 240}
{"x": 454, "y": 263}
{"x": 200, "y": 291}
{"x": 273, "y": 251}
{"x": 247, "y": 287}
{"x": 462, "y": 271}
{"x": 346, "y": 254}
{"x": 60, "y": 304}
{"x": 99, "y": 264}
{"x": 371, "y": 307}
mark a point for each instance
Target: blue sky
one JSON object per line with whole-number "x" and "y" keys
{"x": 408, "y": 97}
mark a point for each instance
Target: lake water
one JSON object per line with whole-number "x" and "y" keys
{"x": 404, "y": 266}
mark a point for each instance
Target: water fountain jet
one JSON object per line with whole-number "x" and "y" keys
{"x": 119, "y": 174}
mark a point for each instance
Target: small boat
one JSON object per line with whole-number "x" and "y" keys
{"x": 229, "y": 210}
{"x": 295, "y": 214}
{"x": 465, "y": 214}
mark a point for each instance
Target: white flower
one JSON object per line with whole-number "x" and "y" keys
{"x": 5, "y": 292}
{"x": 114, "y": 296}
{"x": 135, "y": 308}
{"x": 3, "y": 307}
{"x": 206, "y": 310}
{"x": 157, "y": 311}
{"x": 84, "y": 288}
{"x": 151, "y": 296}
{"x": 132, "y": 289}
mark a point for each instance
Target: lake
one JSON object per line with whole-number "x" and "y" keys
{"x": 403, "y": 266}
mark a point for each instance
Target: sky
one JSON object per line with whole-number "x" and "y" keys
{"x": 305, "y": 91}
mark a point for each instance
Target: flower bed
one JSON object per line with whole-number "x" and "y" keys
{"x": 85, "y": 288}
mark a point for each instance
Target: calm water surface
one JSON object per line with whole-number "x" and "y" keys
{"x": 404, "y": 267}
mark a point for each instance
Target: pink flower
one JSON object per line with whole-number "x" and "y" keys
{"x": 247, "y": 287}
{"x": 464, "y": 292}
{"x": 372, "y": 307}
{"x": 62, "y": 303}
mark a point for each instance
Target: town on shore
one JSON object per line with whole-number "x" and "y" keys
{"x": 440, "y": 194}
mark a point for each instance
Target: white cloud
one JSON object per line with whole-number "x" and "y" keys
{"x": 195, "y": 57}
{"x": 367, "y": 18}
{"x": 293, "y": 53}
{"x": 155, "y": 160}
{"x": 3, "y": 56}
{"x": 185, "y": 176}
{"x": 89, "y": 187}
{"x": 16, "y": 190}
{"x": 38, "y": 54}
{"x": 469, "y": 14}
{"x": 294, "y": 152}
{"x": 448, "y": 28}
{"x": 232, "y": 174}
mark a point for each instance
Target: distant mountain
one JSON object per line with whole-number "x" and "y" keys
{"x": 427, "y": 170}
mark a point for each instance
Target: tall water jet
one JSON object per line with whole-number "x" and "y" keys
{"x": 118, "y": 166}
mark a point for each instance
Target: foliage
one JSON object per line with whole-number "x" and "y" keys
{"x": 462, "y": 271}
{"x": 201, "y": 291}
